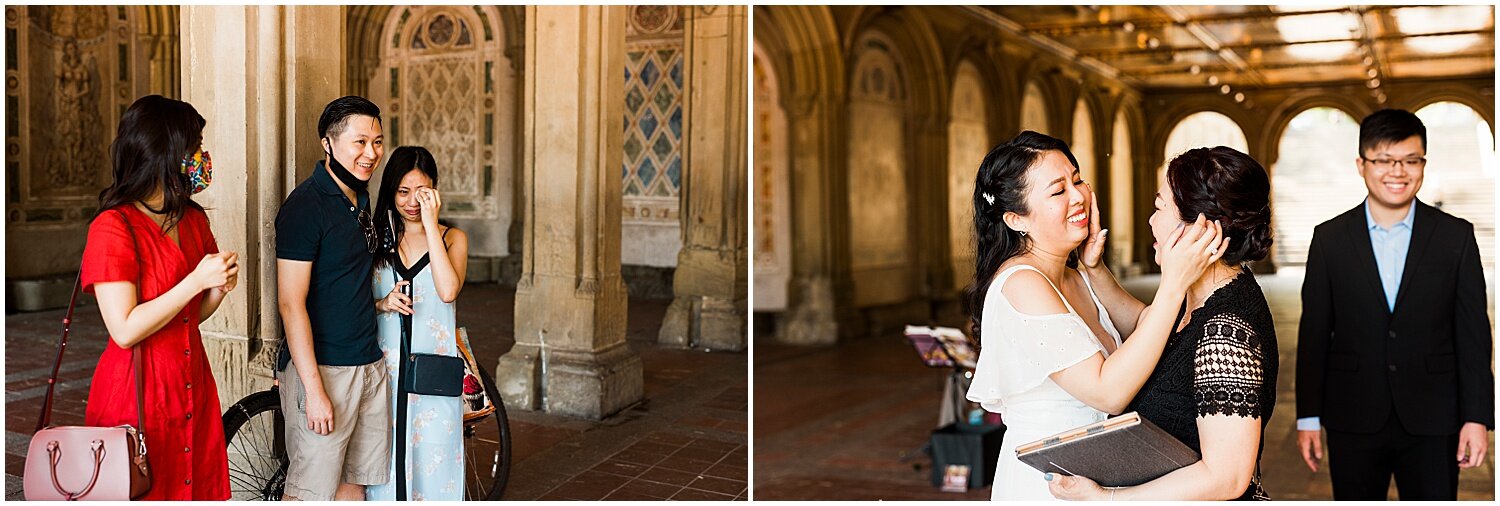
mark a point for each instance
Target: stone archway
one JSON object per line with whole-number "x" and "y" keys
{"x": 1460, "y": 173}
{"x": 445, "y": 82}
{"x": 772, "y": 249}
{"x": 1314, "y": 178}
{"x": 1034, "y": 110}
{"x": 801, "y": 44}
{"x": 880, "y": 248}
{"x": 1203, "y": 129}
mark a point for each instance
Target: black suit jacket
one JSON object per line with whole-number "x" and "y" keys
{"x": 1429, "y": 360}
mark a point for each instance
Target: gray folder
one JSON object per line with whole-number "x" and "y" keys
{"x": 1122, "y": 451}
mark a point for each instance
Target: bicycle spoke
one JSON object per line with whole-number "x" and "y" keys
{"x": 251, "y": 458}
{"x": 257, "y": 469}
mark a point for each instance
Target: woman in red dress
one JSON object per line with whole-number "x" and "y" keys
{"x": 157, "y": 272}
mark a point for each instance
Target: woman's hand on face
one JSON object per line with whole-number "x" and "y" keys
{"x": 1091, "y": 252}
{"x": 1074, "y": 488}
{"x": 430, "y": 202}
{"x": 395, "y": 301}
{"x": 1190, "y": 250}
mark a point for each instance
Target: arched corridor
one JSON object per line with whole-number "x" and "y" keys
{"x": 879, "y": 199}
{"x": 878, "y": 195}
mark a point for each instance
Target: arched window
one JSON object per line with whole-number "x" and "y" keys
{"x": 968, "y": 141}
{"x": 1121, "y": 195}
{"x": 772, "y": 249}
{"x": 878, "y": 209}
{"x": 1460, "y": 174}
{"x": 1315, "y": 178}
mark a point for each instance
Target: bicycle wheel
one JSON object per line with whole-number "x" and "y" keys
{"x": 253, "y": 429}
{"x": 487, "y": 449}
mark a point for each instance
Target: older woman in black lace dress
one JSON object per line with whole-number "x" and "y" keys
{"x": 1215, "y": 385}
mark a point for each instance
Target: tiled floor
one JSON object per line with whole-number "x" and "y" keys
{"x": 686, "y": 441}
{"x": 845, "y": 422}
{"x": 663, "y": 465}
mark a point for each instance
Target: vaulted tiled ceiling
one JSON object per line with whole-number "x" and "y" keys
{"x": 1250, "y": 47}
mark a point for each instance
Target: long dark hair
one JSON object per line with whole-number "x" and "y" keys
{"x": 154, "y": 136}
{"x": 1000, "y": 187}
{"x": 405, "y": 159}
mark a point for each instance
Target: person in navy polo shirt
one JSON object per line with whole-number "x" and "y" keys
{"x": 334, "y": 394}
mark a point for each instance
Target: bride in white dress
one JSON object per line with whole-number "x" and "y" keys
{"x": 1047, "y": 364}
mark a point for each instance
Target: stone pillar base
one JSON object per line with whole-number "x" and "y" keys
{"x": 592, "y": 385}
{"x": 518, "y": 376}
{"x": 706, "y": 322}
{"x": 811, "y": 321}
{"x": 708, "y": 311}
{"x": 677, "y": 325}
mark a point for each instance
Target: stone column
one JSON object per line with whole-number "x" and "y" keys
{"x": 259, "y": 75}
{"x": 711, "y": 277}
{"x": 820, "y": 221}
{"x": 570, "y": 355}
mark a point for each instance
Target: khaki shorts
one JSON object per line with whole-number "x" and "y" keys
{"x": 358, "y": 451}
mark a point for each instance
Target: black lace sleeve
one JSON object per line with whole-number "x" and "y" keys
{"x": 1229, "y": 369}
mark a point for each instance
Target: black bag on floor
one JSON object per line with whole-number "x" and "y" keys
{"x": 975, "y": 446}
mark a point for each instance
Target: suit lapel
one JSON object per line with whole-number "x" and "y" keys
{"x": 1423, "y": 227}
{"x": 1364, "y": 253}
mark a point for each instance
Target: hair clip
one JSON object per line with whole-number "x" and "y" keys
{"x": 988, "y": 198}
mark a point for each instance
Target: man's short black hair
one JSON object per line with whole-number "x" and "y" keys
{"x": 1389, "y": 125}
{"x": 336, "y": 115}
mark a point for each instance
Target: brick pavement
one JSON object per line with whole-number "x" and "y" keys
{"x": 686, "y": 441}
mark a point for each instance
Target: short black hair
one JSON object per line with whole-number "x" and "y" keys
{"x": 1389, "y": 125}
{"x": 336, "y": 115}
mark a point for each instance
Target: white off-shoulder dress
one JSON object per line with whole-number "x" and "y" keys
{"x": 1018, "y": 354}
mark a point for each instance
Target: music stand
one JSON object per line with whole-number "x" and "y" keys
{"x": 946, "y": 347}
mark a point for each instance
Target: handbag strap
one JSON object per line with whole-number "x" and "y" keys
{"x": 403, "y": 369}
{"x": 62, "y": 346}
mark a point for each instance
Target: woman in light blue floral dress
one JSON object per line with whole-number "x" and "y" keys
{"x": 432, "y": 258}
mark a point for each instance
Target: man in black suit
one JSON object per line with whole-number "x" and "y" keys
{"x": 1393, "y": 351}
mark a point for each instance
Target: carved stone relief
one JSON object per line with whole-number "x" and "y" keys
{"x": 445, "y": 84}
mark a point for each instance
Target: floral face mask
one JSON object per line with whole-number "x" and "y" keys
{"x": 198, "y": 171}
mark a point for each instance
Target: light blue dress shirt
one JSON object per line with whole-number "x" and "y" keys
{"x": 1390, "y": 246}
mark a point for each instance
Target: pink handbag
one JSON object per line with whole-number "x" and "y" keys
{"x": 87, "y": 463}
